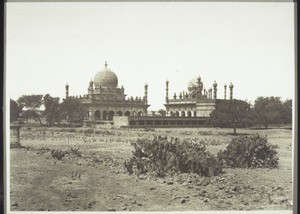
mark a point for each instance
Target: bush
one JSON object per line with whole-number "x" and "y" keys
{"x": 58, "y": 154}
{"x": 249, "y": 152}
{"x": 88, "y": 131}
{"x": 160, "y": 157}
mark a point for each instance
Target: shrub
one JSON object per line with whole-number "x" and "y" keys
{"x": 159, "y": 156}
{"x": 249, "y": 152}
{"x": 88, "y": 131}
{"x": 75, "y": 152}
{"x": 149, "y": 129}
{"x": 58, "y": 154}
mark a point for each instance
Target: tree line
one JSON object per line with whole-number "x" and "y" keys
{"x": 240, "y": 114}
{"x": 27, "y": 106}
{"x": 228, "y": 113}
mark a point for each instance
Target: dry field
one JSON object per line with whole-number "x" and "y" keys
{"x": 95, "y": 179}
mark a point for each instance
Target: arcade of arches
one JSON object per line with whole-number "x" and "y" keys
{"x": 109, "y": 114}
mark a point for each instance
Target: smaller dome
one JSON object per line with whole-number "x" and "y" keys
{"x": 106, "y": 78}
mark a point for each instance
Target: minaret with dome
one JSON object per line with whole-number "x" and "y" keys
{"x": 105, "y": 99}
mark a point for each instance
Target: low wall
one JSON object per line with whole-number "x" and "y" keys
{"x": 121, "y": 121}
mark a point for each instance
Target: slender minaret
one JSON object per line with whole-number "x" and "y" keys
{"x": 91, "y": 89}
{"x": 231, "y": 90}
{"x": 167, "y": 91}
{"x": 225, "y": 86}
{"x": 146, "y": 93}
{"x": 215, "y": 89}
{"x": 67, "y": 90}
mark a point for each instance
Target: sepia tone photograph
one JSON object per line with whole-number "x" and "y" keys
{"x": 149, "y": 106}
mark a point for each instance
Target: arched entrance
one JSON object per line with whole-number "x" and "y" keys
{"x": 182, "y": 113}
{"x": 171, "y": 114}
{"x": 104, "y": 115}
{"x": 111, "y": 115}
{"x": 97, "y": 115}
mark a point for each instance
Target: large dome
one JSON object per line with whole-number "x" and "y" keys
{"x": 106, "y": 78}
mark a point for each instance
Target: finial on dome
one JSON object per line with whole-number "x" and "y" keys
{"x": 105, "y": 64}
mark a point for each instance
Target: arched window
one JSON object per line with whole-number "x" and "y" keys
{"x": 127, "y": 113}
{"x": 111, "y": 115}
{"x": 97, "y": 115}
{"x": 182, "y": 113}
{"x": 171, "y": 114}
{"x": 177, "y": 114}
{"x": 119, "y": 113}
{"x": 133, "y": 113}
{"x": 189, "y": 114}
{"x": 104, "y": 116}
{"x": 140, "y": 114}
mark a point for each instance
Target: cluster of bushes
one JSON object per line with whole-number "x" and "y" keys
{"x": 249, "y": 152}
{"x": 160, "y": 156}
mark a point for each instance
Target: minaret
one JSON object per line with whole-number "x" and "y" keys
{"x": 225, "y": 86}
{"x": 146, "y": 93}
{"x": 215, "y": 89}
{"x": 167, "y": 91}
{"x": 231, "y": 90}
{"x": 91, "y": 89}
{"x": 67, "y": 90}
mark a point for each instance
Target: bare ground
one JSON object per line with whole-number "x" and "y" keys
{"x": 97, "y": 180}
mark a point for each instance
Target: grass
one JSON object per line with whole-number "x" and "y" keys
{"x": 105, "y": 151}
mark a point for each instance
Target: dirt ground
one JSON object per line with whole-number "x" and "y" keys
{"x": 98, "y": 181}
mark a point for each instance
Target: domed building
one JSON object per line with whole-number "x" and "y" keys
{"x": 105, "y": 99}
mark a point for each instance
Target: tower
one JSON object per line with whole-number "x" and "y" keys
{"x": 146, "y": 93}
{"x": 225, "y": 86}
{"x": 231, "y": 90}
{"x": 215, "y": 89}
{"x": 167, "y": 91}
{"x": 67, "y": 90}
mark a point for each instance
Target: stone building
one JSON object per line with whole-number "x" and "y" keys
{"x": 198, "y": 102}
{"x": 104, "y": 99}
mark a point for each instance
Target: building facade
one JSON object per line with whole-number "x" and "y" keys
{"x": 198, "y": 102}
{"x": 104, "y": 99}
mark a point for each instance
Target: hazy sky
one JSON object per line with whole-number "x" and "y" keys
{"x": 248, "y": 44}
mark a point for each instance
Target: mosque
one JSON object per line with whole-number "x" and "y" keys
{"x": 104, "y": 99}
{"x": 107, "y": 103}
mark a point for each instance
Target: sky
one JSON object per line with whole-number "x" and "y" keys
{"x": 249, "y": 44}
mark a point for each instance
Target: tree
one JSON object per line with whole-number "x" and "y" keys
{"x": 162, "y": 112}
{"x": 72, "y": 110}
{"x": 15, "y": 110}
{"x": 286, "y": 112}
{"x": 32, "y": 103}
{"x": 268, "y": 110}
{"x": 232, "y": 114}
{"x": 52, "y": 109}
